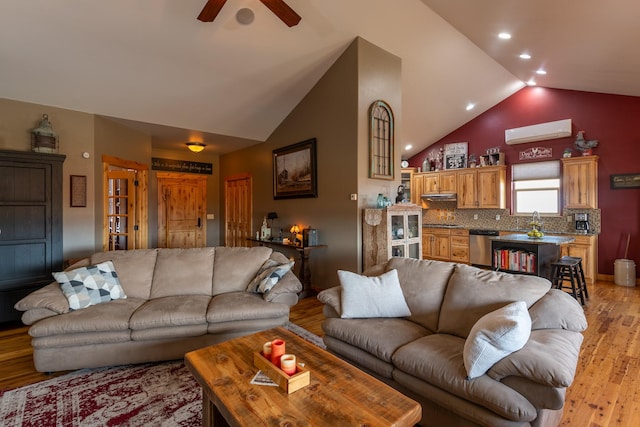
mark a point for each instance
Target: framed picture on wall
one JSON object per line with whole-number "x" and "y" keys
{"x": 295, "y": 171}
{"x": 455, "y": 155}
{"x": 78, "y": 188}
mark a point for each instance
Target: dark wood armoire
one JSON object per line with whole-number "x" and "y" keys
{"x": 30, "y": 224}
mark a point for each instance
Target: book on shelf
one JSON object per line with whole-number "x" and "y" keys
{"x": 515, "y": 260}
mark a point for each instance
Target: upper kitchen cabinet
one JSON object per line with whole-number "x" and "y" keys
{"x": 483, "y": 187}
{"x": 580, "y": 182}
{"x": 439, "y": 182}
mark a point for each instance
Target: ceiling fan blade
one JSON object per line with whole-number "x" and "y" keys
{"x": 211, "y": 10}
{"x": 283, "y": 11}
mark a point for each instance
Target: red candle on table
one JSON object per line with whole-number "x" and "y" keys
{"x": 277, "y": 350}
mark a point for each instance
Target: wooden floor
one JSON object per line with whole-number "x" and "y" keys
{"x": 606, "y": 390}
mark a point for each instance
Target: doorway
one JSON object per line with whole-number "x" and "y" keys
{"x": 238, "y": 210}
{"x": 182, "y": 205}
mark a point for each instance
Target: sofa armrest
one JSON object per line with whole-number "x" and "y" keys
{"x": 50, "y": 297}
{"x": 331, "y": 297}
{"x": 550, "y": 357}
{"x": 558, "y": 310}
{"x": 287, "y": 286}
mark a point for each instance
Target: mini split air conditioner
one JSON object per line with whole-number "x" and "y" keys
{"x": 539, "y": 132}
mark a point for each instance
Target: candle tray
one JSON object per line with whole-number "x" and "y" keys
{"x": 288, "y": 383}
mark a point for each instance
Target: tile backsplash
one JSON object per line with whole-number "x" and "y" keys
{"x": 446, "y": 213}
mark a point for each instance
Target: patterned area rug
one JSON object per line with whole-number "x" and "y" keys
{"x": 158, "y": 394}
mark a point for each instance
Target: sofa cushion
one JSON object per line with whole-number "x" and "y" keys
{"x": 171, "y": 311}
{"x": 135, "y": 269}
{"x": 183, "y": 272}
{"x": 367, "y": 297}
{"x": 380, "y": 337}
{"x": 495, "y": 336}
{"x": 97, "y": 318}
{"x": 473, "y": 292}
{"x": 91, "y": 285}
{"x": 269, "y": 275}
{"x": 239, "y": 265}
{"x": 437, "y": 360}
{"x": 558, "y": 310}
{"x": 550, "y": 357}
{"x": 243, "y": 306}
{"x": 423, "y": 283}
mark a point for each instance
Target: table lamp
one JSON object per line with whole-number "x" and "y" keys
{"x": 294, "y": 233}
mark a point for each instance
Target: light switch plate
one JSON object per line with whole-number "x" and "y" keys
{"x": 354, "y": 196}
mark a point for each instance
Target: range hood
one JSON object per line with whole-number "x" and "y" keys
{"x": 439, "y": 197}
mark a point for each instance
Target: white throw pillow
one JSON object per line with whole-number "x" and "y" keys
{"x": 495, "y": 336}
{"x": 365, "y": 297}
{"x": 90, "y": 285}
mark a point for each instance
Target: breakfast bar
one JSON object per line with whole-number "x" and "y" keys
{"x": 521, "y": 254}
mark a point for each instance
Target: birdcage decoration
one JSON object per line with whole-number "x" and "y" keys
{"x": 43, "y": 138}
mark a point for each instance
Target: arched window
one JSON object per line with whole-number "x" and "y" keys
{"x": 381, "y": 141}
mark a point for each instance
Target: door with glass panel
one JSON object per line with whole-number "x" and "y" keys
{"x": 120, "y": 209}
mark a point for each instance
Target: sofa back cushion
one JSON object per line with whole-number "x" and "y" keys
{"x": 423, "y": 284}
{"x": 234, "y": 268}
{"x": 134, "y": 269}
{"x": 473, "y": 292}
{"x": 183, "y": 272}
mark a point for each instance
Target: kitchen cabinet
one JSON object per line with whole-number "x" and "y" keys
{"x": 416, "y": 188}
{"x": 483, "y": 188}
{"x": 585, "y": 247}
{"x": 439, "y": 182}
{"x": 30, "y": 224}
{"x": 459, "y": 245}
{"x": 395, "y": 231}
{"x": 436, "y": 243}
{"x": 580, "y": 182}
{"x": 406, "y": 175}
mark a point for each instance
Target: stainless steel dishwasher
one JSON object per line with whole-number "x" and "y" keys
{"x": 480, "y": 247}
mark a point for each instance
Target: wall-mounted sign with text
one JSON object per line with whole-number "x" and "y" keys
{"x": 535, "y": 153}
{"x": 183, "y": 166}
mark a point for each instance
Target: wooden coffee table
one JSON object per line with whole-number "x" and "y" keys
{"x": 338, "y": 394}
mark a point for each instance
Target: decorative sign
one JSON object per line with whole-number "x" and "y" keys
{"x": 629, "y": 180}
{"x": 184, "y": 166}
{"x": 455, "y": 155}
{"x": 535, "y": 153}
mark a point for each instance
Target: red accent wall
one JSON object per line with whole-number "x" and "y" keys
{"x": 614, "y": 120}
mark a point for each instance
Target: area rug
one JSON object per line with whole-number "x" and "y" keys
{"x": 153, "y": 394}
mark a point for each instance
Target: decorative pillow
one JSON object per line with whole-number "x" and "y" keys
{"x": 268, "y": 276}
{"x": 366, "y": 297}
{"x": 495, "y": 336}
{"x": 90, "y": 285}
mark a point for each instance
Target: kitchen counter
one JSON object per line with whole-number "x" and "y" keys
{"x": 545, "y": 240}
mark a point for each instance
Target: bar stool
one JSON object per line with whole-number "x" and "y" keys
{"x": 581, "y": 272}
{"x": 569, "y": 269}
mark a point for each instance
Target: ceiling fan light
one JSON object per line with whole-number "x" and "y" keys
{"x": 196, "y": 147}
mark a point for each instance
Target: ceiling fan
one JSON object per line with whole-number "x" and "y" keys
{"x": 279, "y": 7}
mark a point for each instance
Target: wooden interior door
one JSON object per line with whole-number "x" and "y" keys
{"x": 238, "y": 210}
{"x": 182, "y": 202}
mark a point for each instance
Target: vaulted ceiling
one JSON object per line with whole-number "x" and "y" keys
{"x": 152, "y": 65}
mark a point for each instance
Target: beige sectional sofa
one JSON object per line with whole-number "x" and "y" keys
{"x": 177, "y": 300}
{"x": 425, "y": 354}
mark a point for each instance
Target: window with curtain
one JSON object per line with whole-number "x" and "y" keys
{"x": 536, "y": 187}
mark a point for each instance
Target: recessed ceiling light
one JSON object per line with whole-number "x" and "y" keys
{"x": 531, "y": 82}
{"x": 504, "y": 36}
{"x": 470, "y": 106}
{"x": 525, "y": 56}
{"x": 408, "y": 147}
{"x": 541, "y": 72}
